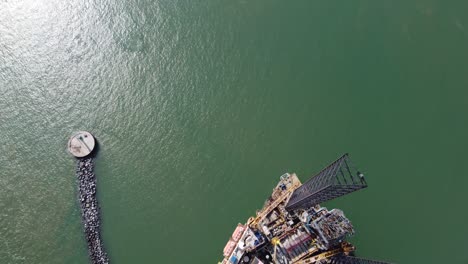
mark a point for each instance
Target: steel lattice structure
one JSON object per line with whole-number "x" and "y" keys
{"x": 337, "y": 179}
{"x": 353, "y": 260}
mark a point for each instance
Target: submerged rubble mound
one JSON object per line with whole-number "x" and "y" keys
{"x": 90, "y": 210}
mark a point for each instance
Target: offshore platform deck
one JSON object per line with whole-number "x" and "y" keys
{"x": 292, "y": 227}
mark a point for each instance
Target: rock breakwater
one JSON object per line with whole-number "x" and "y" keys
{"x": 90, "y": 210}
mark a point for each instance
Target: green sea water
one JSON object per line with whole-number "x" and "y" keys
{"x": 199, "y": 107}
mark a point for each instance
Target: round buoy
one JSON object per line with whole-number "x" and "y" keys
{"x": 81, "y": 144}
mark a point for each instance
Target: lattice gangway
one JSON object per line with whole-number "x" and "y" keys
{"x": 337, "y": 179}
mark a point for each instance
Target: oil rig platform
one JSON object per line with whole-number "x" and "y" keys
{"x": 292, "y": 227}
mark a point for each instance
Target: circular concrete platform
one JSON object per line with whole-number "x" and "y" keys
{"x": 81, "y": 144}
